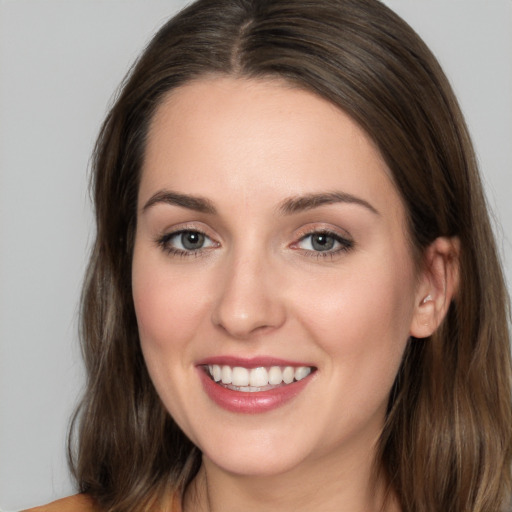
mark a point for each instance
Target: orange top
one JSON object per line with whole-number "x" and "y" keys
{"x": 84, "y": 503}
{"x": 76, "y": 503}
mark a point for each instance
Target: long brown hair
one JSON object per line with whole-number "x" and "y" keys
{"x": 446, "y": 445}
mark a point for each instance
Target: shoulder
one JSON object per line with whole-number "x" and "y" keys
{"x": 76, "y": 503}
{"x": 84, "y": 503}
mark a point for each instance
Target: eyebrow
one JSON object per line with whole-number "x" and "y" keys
{"x": 287, "y": 207}
{"x": 310, "y": 201}
{"x": 199, "y": 204}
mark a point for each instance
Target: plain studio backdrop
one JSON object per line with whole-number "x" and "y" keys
{"x": 60, "y": 63}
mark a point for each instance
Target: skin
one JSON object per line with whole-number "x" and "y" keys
{"x": 259, "y": 288}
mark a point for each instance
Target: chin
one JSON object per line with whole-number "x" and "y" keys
{"x": 262, "y": 464}
{"x": 254, "y": 452}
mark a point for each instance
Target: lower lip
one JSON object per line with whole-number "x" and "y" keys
{"x": 251, "y": 402}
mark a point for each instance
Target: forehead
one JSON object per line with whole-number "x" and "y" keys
{"x": 250, "y": 106}
{"x": 259, "y": 135}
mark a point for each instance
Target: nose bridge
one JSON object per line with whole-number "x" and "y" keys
{"x": 248, "y": 300}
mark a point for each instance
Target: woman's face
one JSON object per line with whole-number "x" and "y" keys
{"x": 271, "y": 254}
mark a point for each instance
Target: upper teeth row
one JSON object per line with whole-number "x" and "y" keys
{"x": 257, "y": 377}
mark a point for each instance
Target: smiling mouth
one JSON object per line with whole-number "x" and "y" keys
{"x": 252, "y": 380}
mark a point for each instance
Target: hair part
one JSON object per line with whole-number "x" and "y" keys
{"x": 446, "y": 444}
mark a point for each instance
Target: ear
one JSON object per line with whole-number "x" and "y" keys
{"x": 437, "y": 286}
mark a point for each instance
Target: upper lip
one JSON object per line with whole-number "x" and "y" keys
{"x": 252, "y": 362}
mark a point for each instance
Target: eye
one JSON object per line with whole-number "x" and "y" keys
{"x": 324, "y": 241}
{"x": 185, "y": 242}
{"x": 188, "y": 240}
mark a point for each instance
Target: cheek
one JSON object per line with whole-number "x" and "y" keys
{"x": 166, "y": 304}
{"x": 167, "y": 310}
{"x": 362, "y": 317}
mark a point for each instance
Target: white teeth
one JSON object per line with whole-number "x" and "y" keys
{"x": 216, "y": 373}
{"x": 226, "y": 375}
{"x": 288, "y": 375}
{"x": 256, "y": 378}
{"x": 301, "y": 372}
{"x": 275, "y": 376}
{"x": 240, "y": 376}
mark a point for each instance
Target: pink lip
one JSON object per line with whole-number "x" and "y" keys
{"x": 251, "y": 403}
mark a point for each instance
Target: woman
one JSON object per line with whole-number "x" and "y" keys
{"x": 294, "y": 300}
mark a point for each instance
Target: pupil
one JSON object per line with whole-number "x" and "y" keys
{"x": 322, "y": 242}
{"x": 192, "y": 240}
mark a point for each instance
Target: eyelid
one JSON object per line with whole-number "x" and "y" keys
{"x": 312, "y": 228}
{"x": 200, "y": 227}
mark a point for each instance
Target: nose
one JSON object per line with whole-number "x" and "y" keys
{"x": 249, "y": 298}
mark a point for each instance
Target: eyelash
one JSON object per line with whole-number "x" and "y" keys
{"x": 164, "y": 243}
{"x": 345, "y": 245}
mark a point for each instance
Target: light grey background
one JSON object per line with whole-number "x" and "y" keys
{"x": 60, "y": 62}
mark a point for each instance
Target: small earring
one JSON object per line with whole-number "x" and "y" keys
{"x": 428, "y": 298}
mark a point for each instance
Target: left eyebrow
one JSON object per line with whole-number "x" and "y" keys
{"x": 310, "y": 201}
{"x": 196, "y": 203}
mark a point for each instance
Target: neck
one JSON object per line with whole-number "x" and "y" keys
{"x": 317, "y": 485}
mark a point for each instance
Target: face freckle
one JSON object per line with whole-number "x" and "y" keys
{"x": 270, "y": 234}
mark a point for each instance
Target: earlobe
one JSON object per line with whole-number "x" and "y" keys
{"x": 437, "y": 286}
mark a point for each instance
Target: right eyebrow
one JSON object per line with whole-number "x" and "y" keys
{"x": 311, "y": 201}
{"x": 196, "y": 203}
